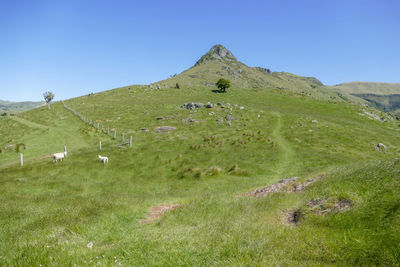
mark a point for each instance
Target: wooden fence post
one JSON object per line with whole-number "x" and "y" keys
{"x": 108, "y": 131}
{"x": 100, "y": 145}
{"x": 115, "y": 134}
{"x": 130, "y": 141}
{"x": 123, "y": 137}
{"x": 21, "y": 159}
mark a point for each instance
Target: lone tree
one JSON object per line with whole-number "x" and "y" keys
{"x": 48, "y": 97}
{"x": 223, "y": 84}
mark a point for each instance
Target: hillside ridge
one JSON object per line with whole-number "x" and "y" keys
{"x": 219, "y": 62}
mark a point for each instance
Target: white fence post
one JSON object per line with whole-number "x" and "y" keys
{"x": 100, "y": 145}
{"x": 123, "y": 137}
{"x": 21, "y": 159}
{"x": 108, "y": 131}
{"x": 65, "y": 148}
{"x": 130, "y": 141}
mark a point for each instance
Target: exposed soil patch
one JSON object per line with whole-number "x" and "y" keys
{"x": 323, "y": 206}
{"x": 289, "y": 185}
{"x": 319, "y": 206}
{"x": 158, "y": 211}
{"x": 292, "y": 216}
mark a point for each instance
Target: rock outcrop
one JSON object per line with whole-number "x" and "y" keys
{"x": 217, "y": 52}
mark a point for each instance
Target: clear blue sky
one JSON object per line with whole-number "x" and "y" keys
{"x": 74, "y": 47}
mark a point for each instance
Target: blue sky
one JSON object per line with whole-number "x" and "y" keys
{"x": 76, "y": 47}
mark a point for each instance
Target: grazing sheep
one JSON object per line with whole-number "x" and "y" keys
{"x": 59, "y": 156}
{"x": 103, "y": 159}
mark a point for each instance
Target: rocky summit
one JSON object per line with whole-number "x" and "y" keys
{"x": 217, "y": 52}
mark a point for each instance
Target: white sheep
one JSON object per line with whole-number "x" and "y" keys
{"x": 59, "y": 156}
{"x": 103, "y": 159}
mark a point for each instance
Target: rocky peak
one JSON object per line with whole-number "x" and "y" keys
{"x": 217, "y": 52}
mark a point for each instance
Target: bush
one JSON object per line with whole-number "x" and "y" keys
{"x": 19, "y": 147}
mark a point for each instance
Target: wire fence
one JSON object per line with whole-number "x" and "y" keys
{"x": 112, "y": 132}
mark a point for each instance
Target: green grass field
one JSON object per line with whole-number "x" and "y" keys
{"x": 50, "y": 212}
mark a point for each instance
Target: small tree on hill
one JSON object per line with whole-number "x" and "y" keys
{"x": 48, "y": 97}
{"x": 223, "y": 84}
{"x": 177, "y": 86}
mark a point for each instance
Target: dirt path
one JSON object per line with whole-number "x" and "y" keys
{"x": 158, "y": 211}
{"x": 287, "y": 163}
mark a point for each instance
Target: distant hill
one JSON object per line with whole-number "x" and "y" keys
{"x": 369, "y": 88}
{"x": 219, "y": 62}
{"x": 8, "y": 106}
{"x": 385, "y": 96}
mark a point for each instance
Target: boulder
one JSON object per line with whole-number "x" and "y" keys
{"x": 380, "y": 145}
{"x": 208, "y": 105}
{"x": 192, "y": 105}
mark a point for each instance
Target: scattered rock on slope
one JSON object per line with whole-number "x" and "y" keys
{"x": 164, "y": 129}
{"x": 192, "y": 105}
{"x": 380, "y": 145}
{"x": 272, "y": 188}
{"x": 288, "y": 185}
{"x": 321, "y": 206}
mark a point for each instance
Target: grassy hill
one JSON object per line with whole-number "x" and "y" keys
{"x": 7, "y": 106}
{"x": 384, "y": 96}
{"x": 220, "y": 62}
{"x": 83, "y": 212}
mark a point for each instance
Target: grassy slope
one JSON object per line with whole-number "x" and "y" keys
{"x": 50, "y": 212}
{"x": 44, "y": 132}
